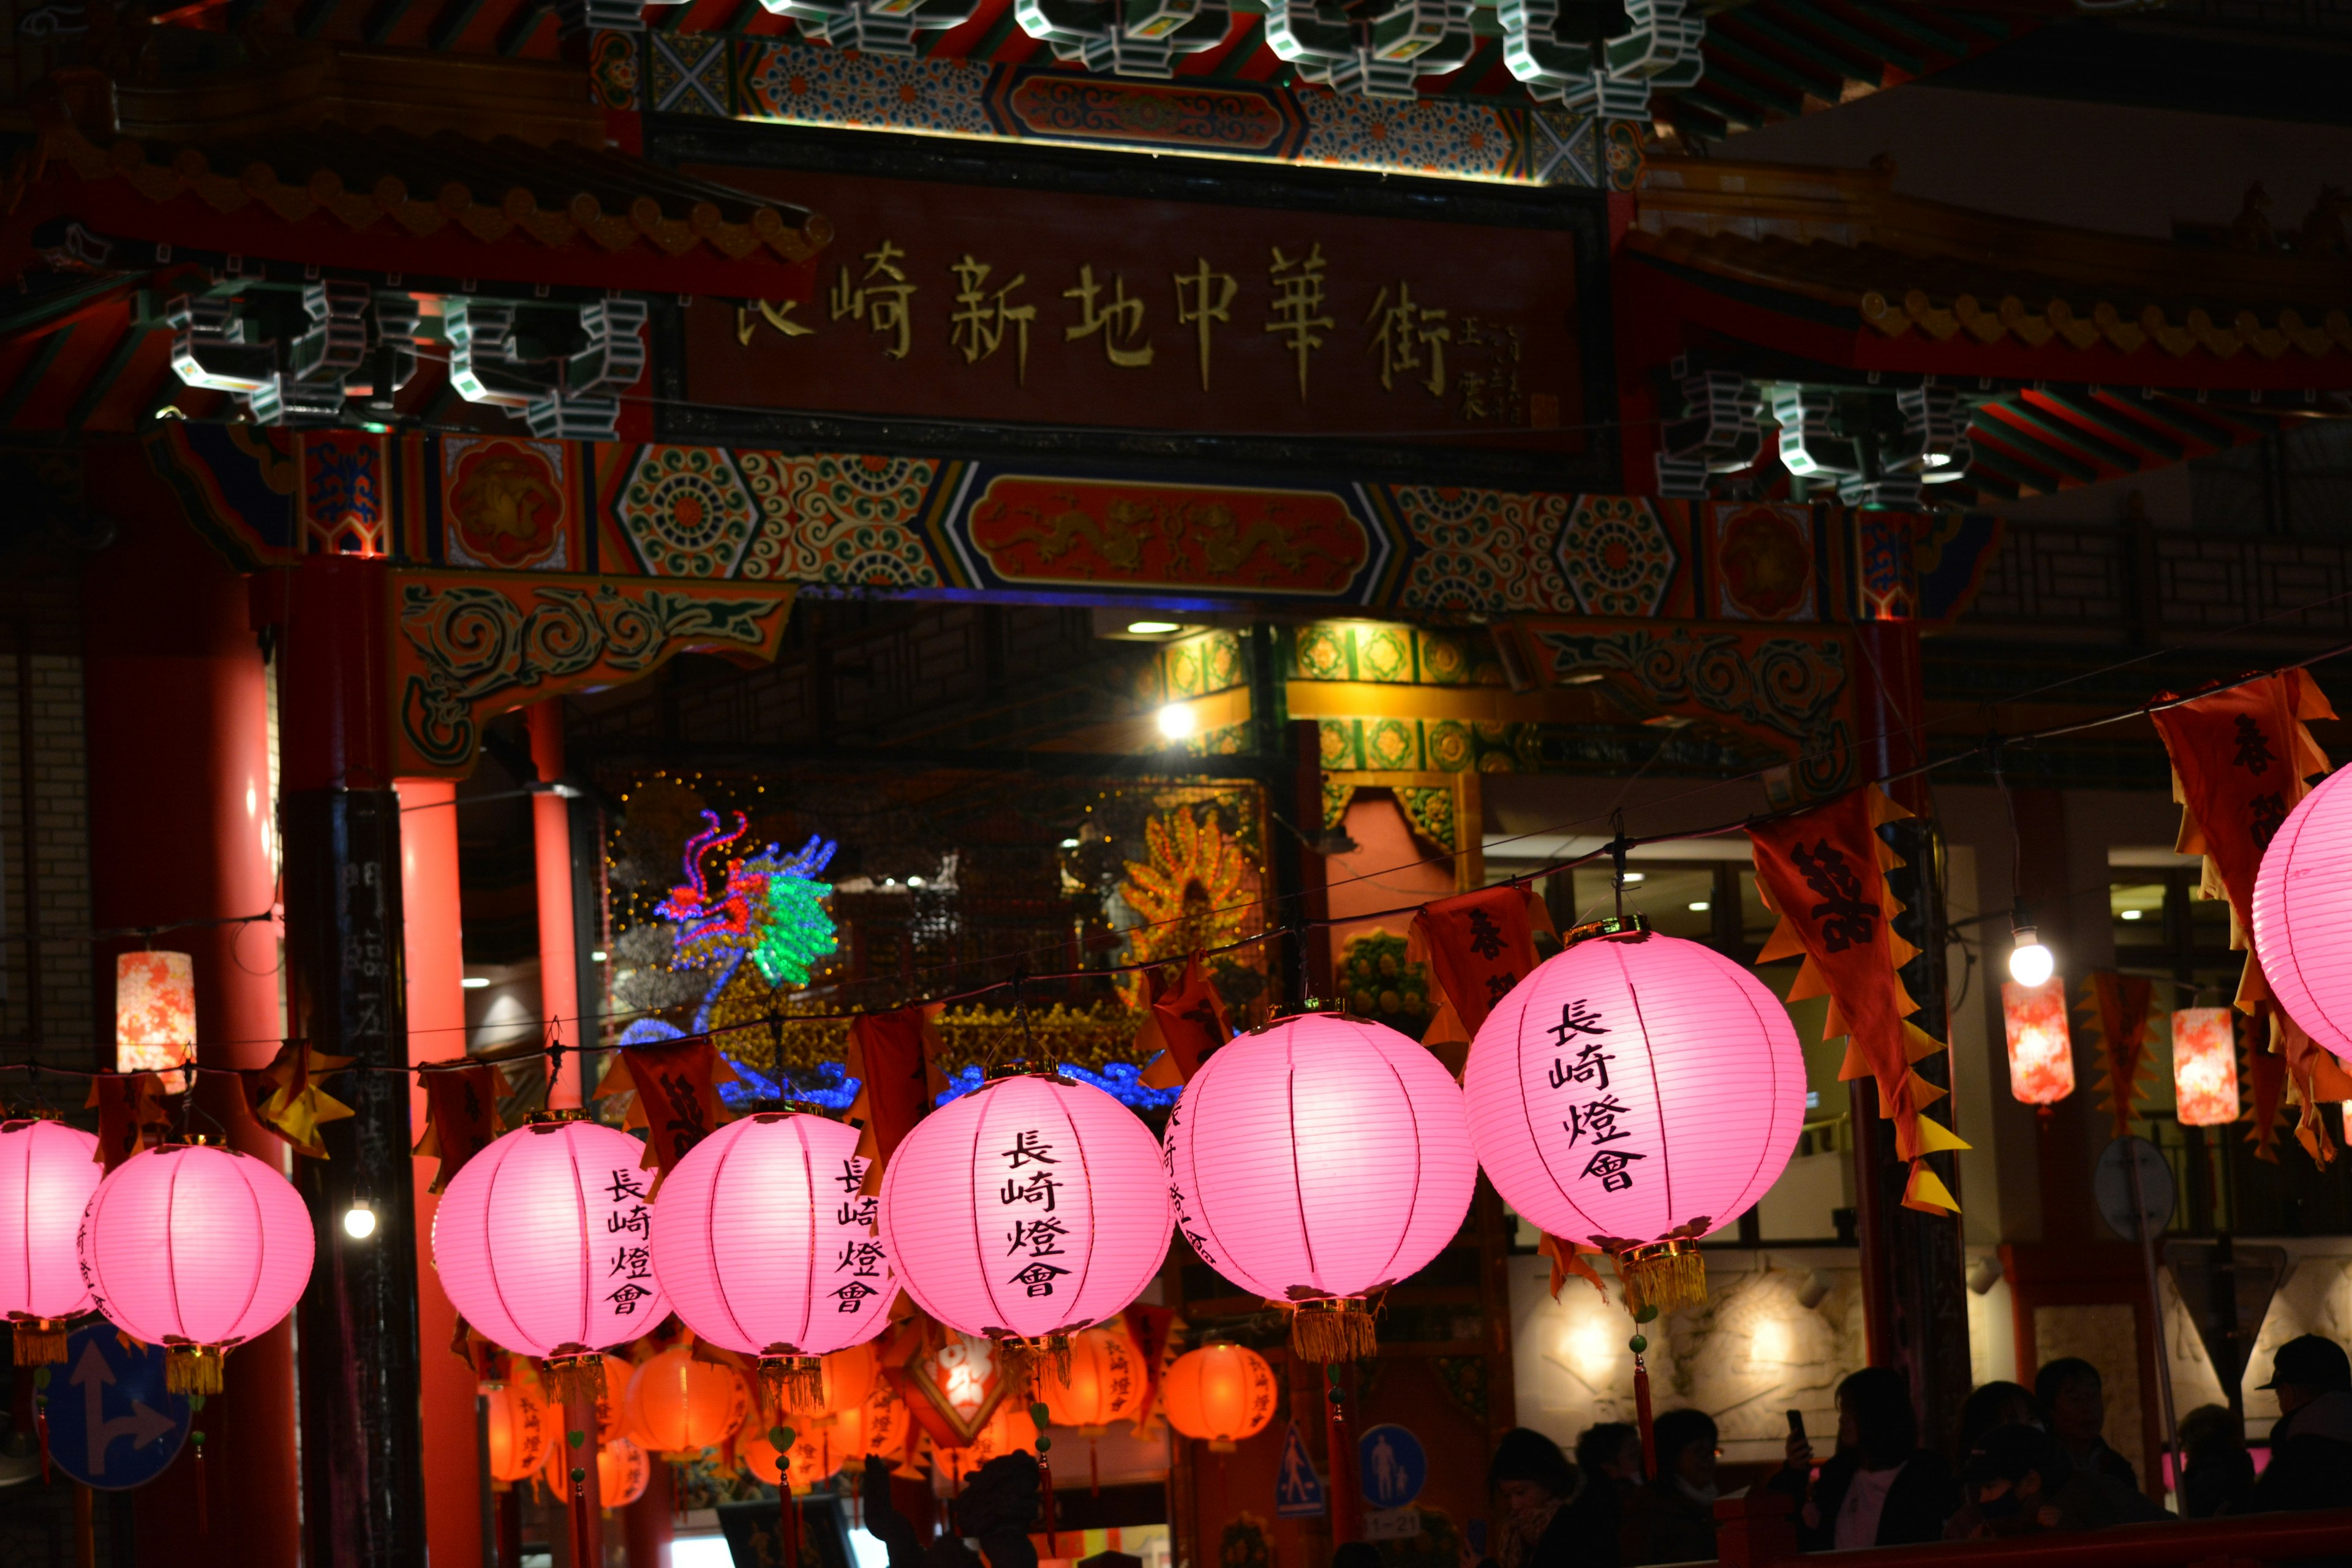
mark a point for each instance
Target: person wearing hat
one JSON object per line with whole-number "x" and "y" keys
{"x": 2310, "y": 1445}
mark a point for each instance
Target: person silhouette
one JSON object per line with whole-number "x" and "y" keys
{"x": 1387, "y": 1479}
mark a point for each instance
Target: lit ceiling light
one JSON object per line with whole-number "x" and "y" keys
{"x": 914, "y": 881}
{"x": 475, "y": 982}
{"x": 1701, "y": 907}
{"x": 1633, "y": 876}
{"x": 597, "y": 956}
{"x": 2031, "y": 963}
{"x": 1175, "y": 721}
{"x": 1152, "y": 628}
{"x": 1069, "y": 843}
{"x": 2133, "y": 914}
{"x": 359, "y": 1220}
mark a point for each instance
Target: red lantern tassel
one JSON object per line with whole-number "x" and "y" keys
{"x": 788, "y": 1521}
{"x": 1045, "y": 1479}
{"x": 579, "y": 1519}
{"x": 1094, "y": 1469}
{"x": 41, "y": 1425}
{"x": 1641, "y": 1414}
{"x": 202, "y": 1512}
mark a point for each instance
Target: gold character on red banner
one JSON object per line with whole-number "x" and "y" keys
{"x": 1401, "y": 331}
{"x": 887, "y": 306}
{"x": 977, "y": 329}
{"x": 1297, "y": 305}
{"x": 749, "y": 317}
{"x": 1202, "y": 299}
{"x": 1119, "y": 324}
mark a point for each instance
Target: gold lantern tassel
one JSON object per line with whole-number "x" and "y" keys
{"x": 40, "y": 1341}
{"x": 793, "y": 1381}
{"x": 1329, "y": 1329}
{"x": 192, "y": 1369}
{"x": 1665, "y": 1274}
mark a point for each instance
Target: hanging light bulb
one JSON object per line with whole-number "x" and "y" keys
{"x": 2030, "y": 963}
{"x": 359, "y": 1220}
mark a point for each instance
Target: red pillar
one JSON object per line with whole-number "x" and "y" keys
{"x": 183, "y": 829}
{"x": 558, "y": 953}
{"x": 434, "y": 939}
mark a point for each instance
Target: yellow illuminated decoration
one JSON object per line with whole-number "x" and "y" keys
{"x": 1202, "y": 299}
{"x": 1193, "y": 892}
{"x": 1400, "y": 331}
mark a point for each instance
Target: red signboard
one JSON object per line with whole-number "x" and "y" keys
{"x": 1027, "y": 306}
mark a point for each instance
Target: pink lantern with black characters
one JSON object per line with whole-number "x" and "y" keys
{"x": 543, "y": 1243}
{"x": 1317, "y": 1160}
{"x": 1026, "y": 1210}
{"x": 2302, "y": 914}
{"x": 765, "y": 1246}
{"x": 197, "y": 1249}
{"x": 48, "y": 1172}
{"x": 1633, "y": 1094}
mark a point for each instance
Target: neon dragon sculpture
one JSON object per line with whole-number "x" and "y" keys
{"x": 770, "y": 909}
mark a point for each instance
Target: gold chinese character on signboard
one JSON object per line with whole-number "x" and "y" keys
{"x": 1401, "y": 331}
{"x": 749, "y": 317}
{"x": 882, "y": 306}
{"x": 977, "y": 328}
{"x": 1297, "y": 299}
{"x": 1202, "y": 297}
{"x": 1487, "y": 376}
{"x": 1119, "y": 324}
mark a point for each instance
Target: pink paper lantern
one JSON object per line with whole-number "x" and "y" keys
{"x": 2303, "y": 915}
{"x": 2205, "y": 1065}
{"x": 543, "y": 1243}
{"x": 1031, "y": 1207}
{"x": 48, "y": 1171}
{"x": 1634, "y": 1093}
{"x": 1316, "y": 1159}
{"x": 196, "y": 1249}
{"x": 765, "y": 1246}
{"x": 2040, "y": 1050}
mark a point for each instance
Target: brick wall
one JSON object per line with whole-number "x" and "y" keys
{"x": 59, "y": 844}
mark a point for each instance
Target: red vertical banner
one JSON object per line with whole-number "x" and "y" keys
{"x": 893, "y": 1056}
{"x": 677, "y": 1087}
{"x": 1477, "y": 946}
{"x": 1823, "y": 871}
{"x": 2241, "y": 759}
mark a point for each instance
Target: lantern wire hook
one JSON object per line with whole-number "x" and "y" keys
{"x": 1028, "y": 1035}
{"x": 555, "y": 1050}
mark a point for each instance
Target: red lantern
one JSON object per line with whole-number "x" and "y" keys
{"x": 1106, "y": 1382}
{"x": 48, "y": 1172}
{"x": 1315, "y": 1161}
{"x": 622, "y": 1469}
{"x": 542, "y": 1242}
{"x": 197, "y": 1249}
{"x": 1220, "y": 1393}
{"x": 765, "y": 1246}
{"x": 679, "y": 1404}
{"x": 521, "y": 1428}
{"x": 2205, "y": 1065}
{"x": 2040, "y": 1050}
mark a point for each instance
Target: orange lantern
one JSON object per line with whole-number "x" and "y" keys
{"x": 2041, "y": 1051}
{"x": 522, "y": 1432}
{"x": 677, "y": 1405}
{"x": 1106, "y": 1382}
{"x": 2205, "y": 1065}
{"x": 1221, "y": 1392}
{"x": 611, "y": 1399}
{"x": 621, "y": 1471}
{"x": 1008, "y": 1430}
{"x": 848, "y": 1377}
{"x": 758, "y": 1457}
{"x": 155, "y": 1014}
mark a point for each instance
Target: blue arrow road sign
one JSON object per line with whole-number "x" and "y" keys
{"x": 112, "y": 1424}
{"x": 1391, "y": 1466}
{"x": 1297, "y": 1489}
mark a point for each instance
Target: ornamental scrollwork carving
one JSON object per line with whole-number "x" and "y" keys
{"x": 472, "y": 647}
